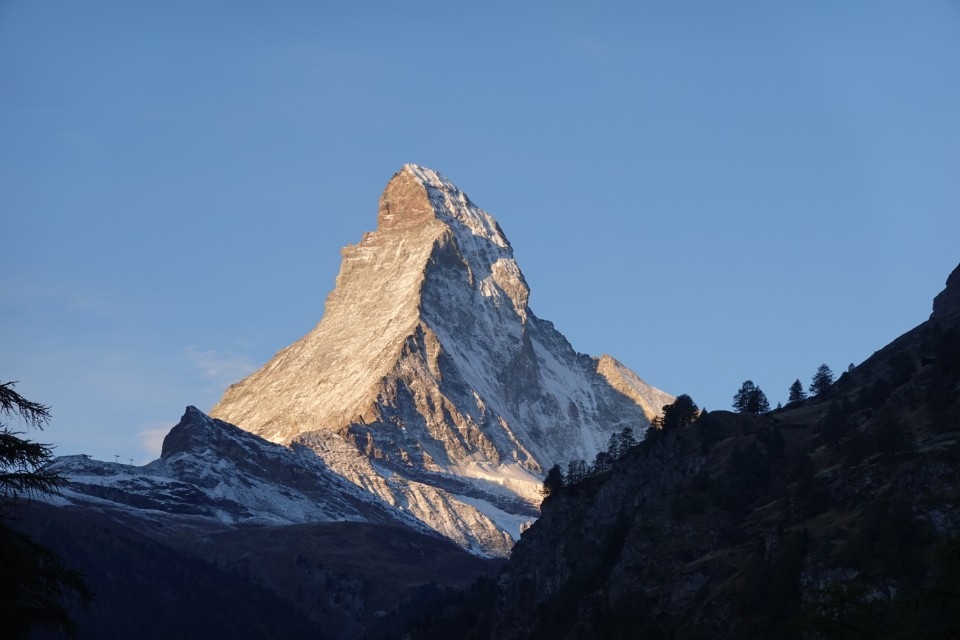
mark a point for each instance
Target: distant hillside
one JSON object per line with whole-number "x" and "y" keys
{"x": 836, "y": 517}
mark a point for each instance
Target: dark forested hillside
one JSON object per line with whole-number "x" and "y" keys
{"x": 836, "y": 517}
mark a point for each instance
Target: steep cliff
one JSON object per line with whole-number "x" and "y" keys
{"x": 430, "y": 382}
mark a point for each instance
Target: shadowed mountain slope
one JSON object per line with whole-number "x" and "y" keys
{"x": 836, "y": 517}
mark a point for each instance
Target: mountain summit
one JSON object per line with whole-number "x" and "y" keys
{"x": 430, "y": 382}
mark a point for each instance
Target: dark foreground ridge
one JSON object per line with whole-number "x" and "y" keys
{"x": 836, "y": 517}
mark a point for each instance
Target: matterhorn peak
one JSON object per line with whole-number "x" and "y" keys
{"x": 445, "y": 201}
{"x": 420, "y": 196}
{"x": 430, "y": 382}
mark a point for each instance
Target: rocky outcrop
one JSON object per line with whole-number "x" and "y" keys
{"x": 650, "y": 399}
{"x": 431, "y": 383}
{"x": 947, "y": 302}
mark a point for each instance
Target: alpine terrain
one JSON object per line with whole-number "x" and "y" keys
{"x": 431, "y": 384}
{"x": 397, "y": 448}
{"x": 224, "y": 517}
{"x": 834, "y": 517}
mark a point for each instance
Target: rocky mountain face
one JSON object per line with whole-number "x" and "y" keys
{"x": 212, "y": 475}
{"x": 223, "y": 517}
{"x": 835, "y": 517}
{"x": 394, "y": 451}
{"x": 430, "y": 383}
{"x": 947, "y": 302}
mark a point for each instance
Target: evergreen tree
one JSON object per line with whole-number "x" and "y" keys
{"x": 681, "y": 413}
{"x": 741, "y": 399}
{"x": 759, "y": 403}
{"x": 602, "y": 462}
{"x": 613, "y": 446}
{"x": 553, "y": 482}
{"x": 626, "y": 440}
{"x": 796, "y": 392}
{"x": 822, "y": 380}
{"x": 750, "y": 399}
{"x": 33, "y": 580}
{"x": 22, "y": 461}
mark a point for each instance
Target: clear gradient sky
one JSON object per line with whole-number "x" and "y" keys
{"x": 708, "y": 191}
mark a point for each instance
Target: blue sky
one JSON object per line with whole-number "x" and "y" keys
{"x": 710, "y": 192}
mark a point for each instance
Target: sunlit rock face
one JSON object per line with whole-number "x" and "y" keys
{"x": 429, "y": 381}
{"x": 212, "y": 476}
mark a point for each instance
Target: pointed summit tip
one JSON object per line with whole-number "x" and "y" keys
{"x": 405, "y": 200}
{"x": 417, "y": 195}
{"x": 428, "y": 177}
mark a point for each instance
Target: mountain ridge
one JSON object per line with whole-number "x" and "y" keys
{"x": 213, "y": 475}
{"x": 429, "y": 363}
{"x": 834, "y": 517}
